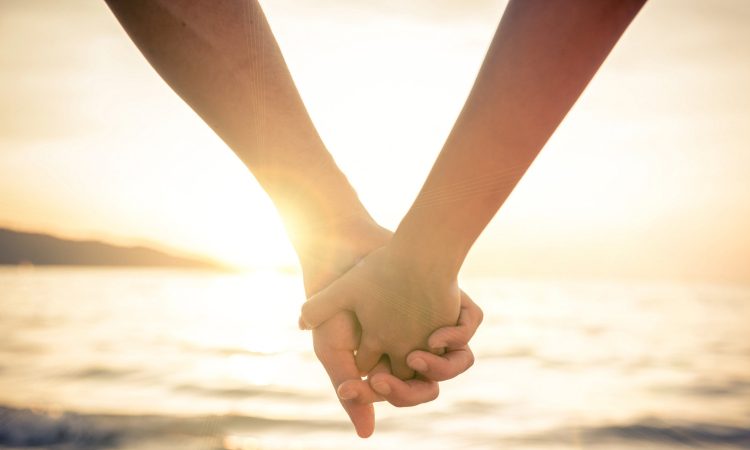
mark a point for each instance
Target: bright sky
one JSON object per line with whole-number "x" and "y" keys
{"x": 648, "y": 176}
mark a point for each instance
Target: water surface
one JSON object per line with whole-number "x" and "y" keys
{"x": 160, "y": 359}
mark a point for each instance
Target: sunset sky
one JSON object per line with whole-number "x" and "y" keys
{"x": 648, "y": 176}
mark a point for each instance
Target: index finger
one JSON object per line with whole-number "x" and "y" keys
{"x": 340, "y": 366}
{"x": 442, "y": 367}
{"x": 402, "y": 393}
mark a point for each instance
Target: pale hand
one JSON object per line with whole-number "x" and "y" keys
{"x": 337, "y": 339}
{"x": 396, "y": 307}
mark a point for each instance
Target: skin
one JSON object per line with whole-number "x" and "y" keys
{"x": 223, "y": 60}
{"x": 335, "y": 341}
{"x": 396, "y": 311}
{"x": 542, "y": 56}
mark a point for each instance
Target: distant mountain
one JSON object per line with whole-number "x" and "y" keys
{"x": 40, "y": 249}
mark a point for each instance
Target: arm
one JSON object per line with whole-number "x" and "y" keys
{"x": 543, "y": 55}
{"x": 223, "y": 60}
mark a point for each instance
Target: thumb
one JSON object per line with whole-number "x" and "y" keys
{"x": 325, "y": 304}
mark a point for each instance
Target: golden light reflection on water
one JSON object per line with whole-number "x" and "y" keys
{"x": 252, "y": 313}
{"x": 241, "y": 443}
{"x": 235, "y": 442}
{"x": 551, "y": 356}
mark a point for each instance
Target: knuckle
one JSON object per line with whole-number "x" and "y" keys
{"x": 469, "y": 359}
{"x": 400, "y": 403}
{"x": 480, "y": 315}
{"x": 319, "y": 353}
{"x": 322, "y": 351}
{"x": 433, "y": 394}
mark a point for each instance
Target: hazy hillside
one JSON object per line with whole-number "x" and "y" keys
{"x": 41, "y": 249}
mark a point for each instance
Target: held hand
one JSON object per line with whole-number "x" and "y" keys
{"x": 397, "y": 309}
{"x": 382, "y": 385}
{"x": 458, "y": 357}
{"x": 336, "y": 340}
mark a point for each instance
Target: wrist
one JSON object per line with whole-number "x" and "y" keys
{"x": 331, "y": 232}
{"x": 427, "y": 250}
{"x": 328, "y": 252}
{"x": 423, "y": 262}
{"x": 314, "y": 202}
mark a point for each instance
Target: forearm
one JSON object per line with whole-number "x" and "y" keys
{"x": 223, "y": 60}
{"x": 543, "y": 55}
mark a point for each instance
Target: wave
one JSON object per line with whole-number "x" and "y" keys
{"x": 248, "y": 392}
{"x": 221, "y": 351}
{"x": 693, "y": 435}
{"x": 726, "y": 388}
{"x": 99, "y": 372}
{"x": 29, "y": 428}
{"x": 655, "y": 432}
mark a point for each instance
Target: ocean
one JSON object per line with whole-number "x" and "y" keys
{"x": 166, "y": 359}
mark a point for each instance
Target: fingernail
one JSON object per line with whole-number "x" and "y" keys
{"x": 418, "y": 364}
{"x": 382, "y": 388}
{"x": 348, "y": 394}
